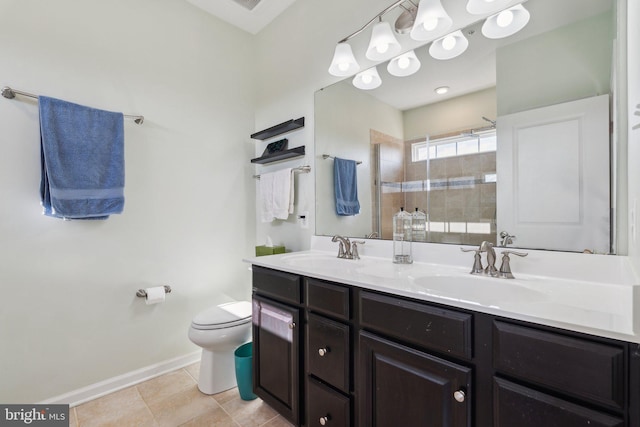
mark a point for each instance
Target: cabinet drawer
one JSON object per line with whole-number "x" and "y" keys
{"x": 277, "y": 284}
{"x": 328, "y": 352}
{"x": 327, "y": 407}
{"x": 431, "y": 327}
{"x": 582, "y": 368}
{"x": 520, "y": 406}
{"x": 328, "y": 298}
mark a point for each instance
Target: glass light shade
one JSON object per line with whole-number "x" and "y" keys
{"x": 343, "y": 63}
{"x": 383, "y": 44}
{"x": 449, "y": 46}
{"x": 368, "y": 79}
{"x": 431, "y": 20}
{"x": 506, "y": 23}
{"x": 404, "y": 65}
{"x": 482, "y": 7}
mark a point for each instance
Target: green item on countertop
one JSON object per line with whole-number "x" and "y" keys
{"x": 269, "y": 250}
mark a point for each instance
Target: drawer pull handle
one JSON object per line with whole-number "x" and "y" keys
{"x": 322, "y": 352}
{"x": 459, "y": 396}
{"x": 292, "y": 325}
{"x": 324, "y": 420}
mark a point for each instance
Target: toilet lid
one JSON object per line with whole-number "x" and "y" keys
{"x": 223, "y": 316}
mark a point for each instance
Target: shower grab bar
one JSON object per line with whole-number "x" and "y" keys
{"x": 10, "y": 93}
{"x": 300, "y": 169}
{"x": 326, "y": 156}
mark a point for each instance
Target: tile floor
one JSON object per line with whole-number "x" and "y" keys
{"x": 174, "y": 400}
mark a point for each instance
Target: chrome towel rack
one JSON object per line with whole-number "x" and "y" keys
{"x": 299, "y": 169}
{"x": 326, "y": 156}
{"x": 10, "y": 93}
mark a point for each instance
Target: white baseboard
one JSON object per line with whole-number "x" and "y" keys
{"x": 93, "y": 391}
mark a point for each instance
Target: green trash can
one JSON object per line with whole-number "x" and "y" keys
{"x": 244, "y": 371}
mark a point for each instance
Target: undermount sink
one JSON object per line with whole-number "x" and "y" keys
{"x": 487, "y": 291}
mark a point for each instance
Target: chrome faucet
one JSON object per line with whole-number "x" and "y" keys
{"x": 506, "y": 239}
{"x": 344, "y": 250}
{"x": 354, "y": 248}
{"x": 477, "y": 259}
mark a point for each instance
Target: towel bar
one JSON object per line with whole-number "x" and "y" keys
{"x": 326, "y": 156}
{"x": 9, "y": 93}
{"x": 143, "y": 294}
{"x": 301, "y": 169}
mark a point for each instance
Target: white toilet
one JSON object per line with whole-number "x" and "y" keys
{"x": 219, "y": 330}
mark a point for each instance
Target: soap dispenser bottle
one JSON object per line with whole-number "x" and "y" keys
{"x": 419, "y": 226}
{"x": 402, "y": 236}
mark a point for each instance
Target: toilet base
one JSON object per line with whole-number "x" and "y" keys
{"x": 217, "y": 372}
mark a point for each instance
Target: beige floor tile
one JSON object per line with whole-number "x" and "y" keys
{"x": 73, "y": 420}
{"x": 122, "y": 408}
{"x": 179, "y": 408}
{"x": 227, "y": 396}
{"x": 278, "y": 421}
{"x": 252, "y": 413}
{"x": 213, "y": 417}
{"x": 193, "y": 370}
{"x": 160, "y": 388}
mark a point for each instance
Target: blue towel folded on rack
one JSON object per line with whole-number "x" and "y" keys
{"x": 82, "y": 157}
{"x": 346, "y": 187}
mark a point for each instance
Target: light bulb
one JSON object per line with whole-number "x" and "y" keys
{"x": 367, "y": 79}
{"x": 382, "y": 47}
{"x": 403, "y": 63}
{"x": 430, "y": 24}
{"x": 343, "y": 66}
{"x": 504, "y": 19}
{"x": 488, "y": 1}
{"x": 448, "y": 43}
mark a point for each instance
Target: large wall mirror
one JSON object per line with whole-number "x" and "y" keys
{"x": 523, "y": 144}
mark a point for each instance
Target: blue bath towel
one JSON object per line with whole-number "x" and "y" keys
{"x": 346, "y": 187}
{"x": 82, "y": 157}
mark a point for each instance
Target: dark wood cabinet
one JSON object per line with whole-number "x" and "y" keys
{"x": 277, "y": 337}
{"x": 329, "y": 354}
{"x": 516, "y": 405}
{"x": 400, "y": 386}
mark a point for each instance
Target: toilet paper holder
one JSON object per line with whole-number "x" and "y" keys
{"x": 143, "y": 294}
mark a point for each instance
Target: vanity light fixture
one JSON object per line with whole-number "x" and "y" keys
{"x": 449, "y": 46}
{"x": 441, "y": 90}
{"x": 368, "y": 79}
{"x": 383, "y": 44}
{"x": 506, "y": 23}
{"x": 344, "y": 63}
{"x": 404, "y": 65}
{"x": 483, "y": 7}
{"x": 431, "y": 20}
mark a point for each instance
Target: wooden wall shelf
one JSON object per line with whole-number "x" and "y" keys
{"x": 280, "y": 155}
{"x": 276, "y": 130}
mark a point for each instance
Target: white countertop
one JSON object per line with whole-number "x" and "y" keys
{"x": 593, "y": 294}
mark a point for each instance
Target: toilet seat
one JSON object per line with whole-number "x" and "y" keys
{"x": 222, "y": 316}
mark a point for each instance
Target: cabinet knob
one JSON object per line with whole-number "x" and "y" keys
{"x": 459, "y": 396}
{"x": 323, "y": 351}
{"x": 292, "y": 325}
{"x": 324, "y": 420}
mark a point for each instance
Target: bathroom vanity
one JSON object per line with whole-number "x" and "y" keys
{"x": 367, "y": 343}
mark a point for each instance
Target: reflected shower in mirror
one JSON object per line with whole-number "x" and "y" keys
{"x": 441, "y": 153}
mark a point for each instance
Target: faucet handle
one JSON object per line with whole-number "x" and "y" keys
{"x": 505, "y": 268}
{"x": 477, "y": 261}
{"x": 354, "y": 248}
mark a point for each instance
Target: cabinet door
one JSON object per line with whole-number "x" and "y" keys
{"x": 276, "y": 356}
{"x": 400, "y": 386}
{"x": 520, "y": 406}
{"x": 327, "y": 349}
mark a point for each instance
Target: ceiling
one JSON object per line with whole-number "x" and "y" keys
{"x": 248, "y": 15}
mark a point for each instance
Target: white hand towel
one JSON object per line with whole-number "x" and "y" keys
{"x": 276, "y": 194}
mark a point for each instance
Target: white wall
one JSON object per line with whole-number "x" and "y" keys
{"x": 292, "y": 56}
{"x": 68, "y": 312}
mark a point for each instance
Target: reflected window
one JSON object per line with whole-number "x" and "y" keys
{"x": 459, "y": 145}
